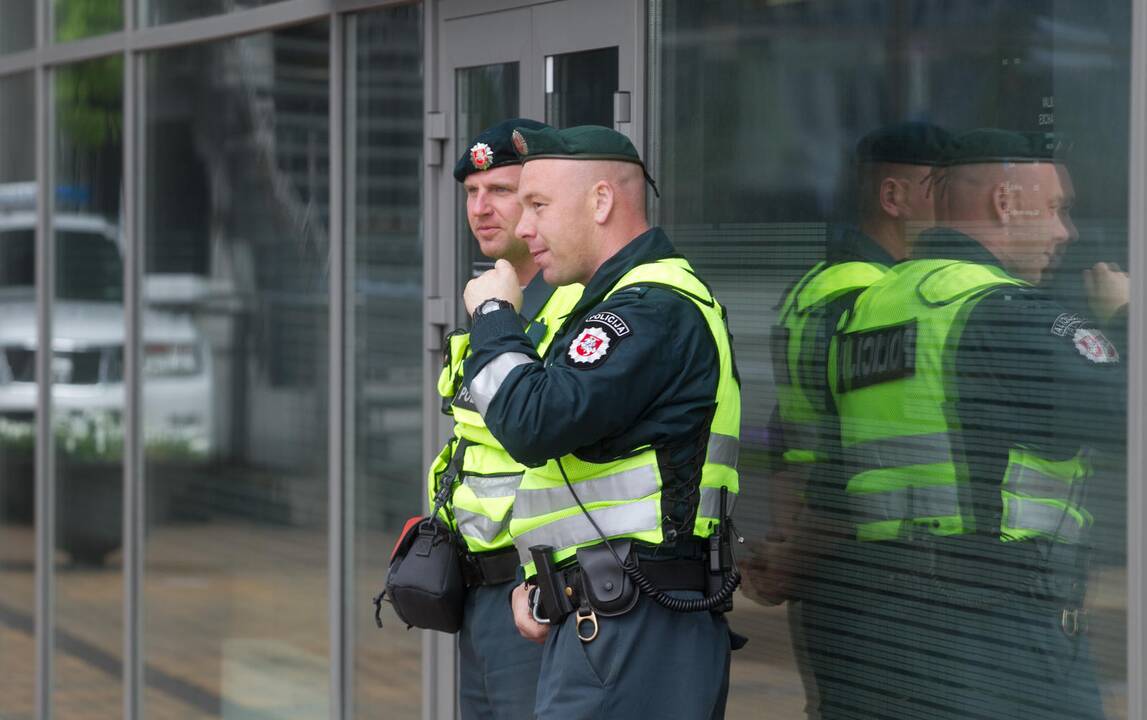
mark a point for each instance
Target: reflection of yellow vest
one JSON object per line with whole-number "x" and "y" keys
{"x": 624, "y": 496}
{"x": 795, "y": 355}
{"x": 482, "y": 501}
{"x": 893, "y": 374}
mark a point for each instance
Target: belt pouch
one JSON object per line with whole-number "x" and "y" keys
{"x": 607, "y": 587}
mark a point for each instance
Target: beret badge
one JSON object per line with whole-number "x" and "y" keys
{"x": 520, "y": 145}
{"x": 481, "y": 156}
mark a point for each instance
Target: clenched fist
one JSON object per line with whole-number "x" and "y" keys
{"x": 501, "y": 283}
{"x": 1108, "y": 289}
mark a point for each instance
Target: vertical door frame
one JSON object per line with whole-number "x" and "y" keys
{"x": 442, "y": 309}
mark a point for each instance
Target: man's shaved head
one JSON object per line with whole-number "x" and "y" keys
{"x": 578, "y": 213}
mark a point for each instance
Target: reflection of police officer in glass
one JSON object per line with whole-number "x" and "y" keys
{"x": 807, "y": 533}
{"x": 630, "y": 426}
{"x": 967, "y": 398}
{"x": 498, "y": 668}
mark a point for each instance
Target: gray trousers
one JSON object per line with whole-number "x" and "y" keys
{"x": 499, "y": 668}
{"x": 648, "y": 663}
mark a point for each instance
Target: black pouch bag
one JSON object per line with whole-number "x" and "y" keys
{"x": 424, "y": 582}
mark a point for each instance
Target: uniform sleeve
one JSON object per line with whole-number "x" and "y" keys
{"x": 643, "y": 359}
{"x": 1039, "y": 375}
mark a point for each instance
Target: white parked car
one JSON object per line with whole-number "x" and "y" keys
{"x": 88, "y": 339}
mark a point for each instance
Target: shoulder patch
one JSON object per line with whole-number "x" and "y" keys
{"x": 590, "y": 347}
{"x": 1066, "y": 324}
{"x": 1094, "y": 345}
{"x": 599, "y": 336}
{"x": 610, "y": 320}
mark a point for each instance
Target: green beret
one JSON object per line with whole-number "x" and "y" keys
{"x": 910, "y": 143}
{"x": 584, "y": 142}
{"x": 992, "y": 145}
{"x": 492, "y": 148}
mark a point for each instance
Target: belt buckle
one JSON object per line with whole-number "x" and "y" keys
{"x": 1073, "y": 621}
{"x": 534, "y": 598}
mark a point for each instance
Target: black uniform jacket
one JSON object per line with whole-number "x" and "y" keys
{"x": 1029, "y": 372}
{"x": 638, "y": 369}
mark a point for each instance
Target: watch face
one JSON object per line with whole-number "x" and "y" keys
{"x": 488, "y": 307}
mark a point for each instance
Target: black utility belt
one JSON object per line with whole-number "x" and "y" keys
{"x": 597, "y": 585}
{"x": 496, "y": 567}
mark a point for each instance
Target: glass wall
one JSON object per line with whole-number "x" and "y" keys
{"x": 17, "y": 395}
{"x": 384, "y": 285}
{"x": 235, "y": 376}
{"x": 157, "y": 12}
{"x": 88, "y": 388}
{"x": 756, "y": 114}
{"x": 17, "y": 25}
{"x": 76, "y": 19}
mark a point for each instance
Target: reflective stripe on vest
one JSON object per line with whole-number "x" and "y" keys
{"x": 482, "y": 501}
{"x": 575, "y": 530}
{"x": 901, "y": 480}
{"x": 624, "y": 496}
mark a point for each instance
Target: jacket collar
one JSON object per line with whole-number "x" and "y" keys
{"x": 847, "y": 243}
{"x": 650, "y": 246}
{"x": 946, "y": 243}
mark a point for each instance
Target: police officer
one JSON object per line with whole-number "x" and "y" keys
{"x": 498, "y": 668}
{"x": 630, "y": 428}
{"x": 806, "y": 541}
{"x": 965, "y": 397}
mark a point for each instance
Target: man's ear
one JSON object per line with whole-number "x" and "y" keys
{"x": 601, "y": 198}
{"x": 1003, "y": 202}
{"x": 893, "y": 197}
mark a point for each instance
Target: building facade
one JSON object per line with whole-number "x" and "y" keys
{"x": 231, "y": 246}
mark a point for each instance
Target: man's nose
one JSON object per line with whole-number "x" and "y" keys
{"x": 525, "y": 227}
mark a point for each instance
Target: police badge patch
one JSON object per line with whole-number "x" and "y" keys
{"x": 1094, "y": 346}
{"x": 589, "y": 347}
{"x": 481, "y": 156}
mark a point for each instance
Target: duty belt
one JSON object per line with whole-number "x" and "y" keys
{"x": 570, "y": 583}
{"x": 490, "y": 568}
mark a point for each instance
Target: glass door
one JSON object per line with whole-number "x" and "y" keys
{"x": 571, "y": 62}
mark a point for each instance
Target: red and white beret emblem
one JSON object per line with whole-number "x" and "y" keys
{"x": 481, "y": 156}
{"x": 519, "y": 143}
{"x": 589, "y": 346}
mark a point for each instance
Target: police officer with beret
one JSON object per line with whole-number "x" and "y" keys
{"x": 499, "y": 669}
{"x": 807, "y": 542}
{"x": 967, "y": 400}
{"x": 629, "y": 426}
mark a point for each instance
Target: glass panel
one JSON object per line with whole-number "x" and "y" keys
{"x": 759, "y": 108}
{"x": 157, "y": 12}
{"x": 235, "y": 376}
{"x": 483, "y": 95}
{"x": 76, "y": 19}
{"x": 383, "y": 222}
{"x": 17, "y": 25}
{"x": 580, "y": 88}
{"x": 17, "y": 396}
{"x": 88, "y": 389}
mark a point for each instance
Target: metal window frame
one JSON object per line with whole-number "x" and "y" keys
{"x": 132, "y": 42}
{"x": 1137, "y": 373}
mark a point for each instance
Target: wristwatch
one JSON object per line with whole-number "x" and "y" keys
{"x": 488, "y": 306}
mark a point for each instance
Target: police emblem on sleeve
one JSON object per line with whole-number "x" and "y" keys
{"x": 589, "y": 347}
{"x": 1094, "y": 346}
{"x": 481, "y": 156}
